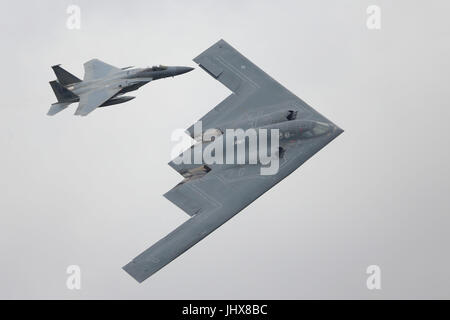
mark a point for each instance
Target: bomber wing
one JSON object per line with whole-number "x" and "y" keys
{"x": 211, "y": 201}
{"x": 254, "y": 92}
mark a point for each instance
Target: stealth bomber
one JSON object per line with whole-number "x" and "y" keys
{"x": 103, "y": 85}
{"x": 212, "y": 193}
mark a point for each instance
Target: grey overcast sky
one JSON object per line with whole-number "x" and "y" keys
{"x": 88, "y": 191}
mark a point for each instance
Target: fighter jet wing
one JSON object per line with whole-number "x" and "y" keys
{"x": 253, "y": 90}
{"x": 96, "y": 69}
{"x": 95, "y": 98}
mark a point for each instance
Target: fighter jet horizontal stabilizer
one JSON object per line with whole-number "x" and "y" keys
{"x": 57, "y": 107}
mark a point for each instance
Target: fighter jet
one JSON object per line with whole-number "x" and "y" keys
{"x": 212, "y": 193}
{"x": 103, "y": 85}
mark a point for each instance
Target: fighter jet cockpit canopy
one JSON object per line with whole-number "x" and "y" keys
{"x": 159, "y": 68}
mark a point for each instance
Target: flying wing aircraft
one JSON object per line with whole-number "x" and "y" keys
{"x": 213, "y": 193}
{"x": 103, "y": 85}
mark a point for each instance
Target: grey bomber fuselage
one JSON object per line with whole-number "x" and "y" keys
{"x": 290, "y": 131}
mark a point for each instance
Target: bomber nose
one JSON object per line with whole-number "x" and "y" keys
{"x": 181, "y": 70}
{"x": 338, "y": 130}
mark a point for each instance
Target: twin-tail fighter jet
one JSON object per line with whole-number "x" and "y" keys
{"x": 103, "y": 85}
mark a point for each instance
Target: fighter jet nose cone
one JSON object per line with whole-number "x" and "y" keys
{"x": 181, "y": 70}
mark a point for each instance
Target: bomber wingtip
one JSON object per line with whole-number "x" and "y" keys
{"x": 128, "y": 269}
